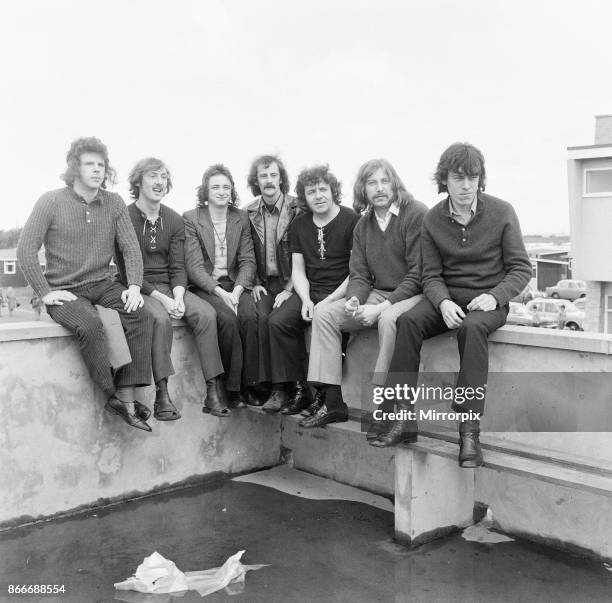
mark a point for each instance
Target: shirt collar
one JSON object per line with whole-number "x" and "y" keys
{"x": 451, "y": 207}
{"x": 99, "y": 196}
{"x": 144, "y": 216}
{"x": 394, "y": 208}
{"x": 277, "y": 205}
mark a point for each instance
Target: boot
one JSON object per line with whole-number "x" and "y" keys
{"x": 376, "y": 429}
{"x": 299, "y": 400}
{"x": 470, "y": 454}
{"x": 278, "y": 399}
{"x": 216, "y": 401}
{"x": 403, "y": 431}
{"x": 163, "y": 408}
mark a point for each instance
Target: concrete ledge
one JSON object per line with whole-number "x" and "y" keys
{"x": 61, "y": 450}
{"x": 340, "y": 452}
{"x": 577, "y": 341}
{"x": 565, "y": 507}
{"x": 563, "y": 517}
{"x": 433, "y": 497}
{"x": 43, "y": 329}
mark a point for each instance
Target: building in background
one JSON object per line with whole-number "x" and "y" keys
{"x": 10, "y": 273}
{"x": 589, "y": 171}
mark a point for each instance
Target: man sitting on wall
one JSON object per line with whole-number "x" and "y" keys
{"x": 161, "y": 235}
{"x": 384, "y": 278}
{"x": 271, "y": 214}
{"x": 474, "y": 263}
{"x": 79, "y": 226}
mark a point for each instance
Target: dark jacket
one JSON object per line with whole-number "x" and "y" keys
{"x": 283, "y": 255}
{"x": 200, "y": 248}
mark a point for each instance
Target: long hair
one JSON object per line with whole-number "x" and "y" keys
{"x": 140, "y": 169}
{"x": 73, "y": 160}
{"x": 202, "y": 190}
{"x": 266, "y": 161}
{"x": 313, "y": 175}
{"x": 463, "y": 158}
{"x": 360, "y": 200}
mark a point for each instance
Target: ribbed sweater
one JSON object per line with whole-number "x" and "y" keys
{"x": 389, "y": 260}
{"x": 166, "y": 263}
{"x": 79, "y": 240}
{"x": 486, "y": 256}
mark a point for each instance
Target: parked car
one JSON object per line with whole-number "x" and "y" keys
{"x": 567, "y": 289}
{"x": 527, "y": 294}
{"x": 550, "y": 309}
{"x": 580, "y": 303}
{"x": 520, "y": 315}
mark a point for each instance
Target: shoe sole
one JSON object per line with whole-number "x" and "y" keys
{"x": 376, "y": 443}
{"x": 270, "y": 411}
{"x": 340, "y": 420}
{"x": 470, "y": 464}
{"x": 176, "y": 415}
{"x": 215, "y": 413}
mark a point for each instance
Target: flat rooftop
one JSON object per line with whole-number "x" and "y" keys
{"x": 324, "y": 541}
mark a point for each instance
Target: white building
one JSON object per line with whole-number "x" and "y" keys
{"x": 589, "y": 171}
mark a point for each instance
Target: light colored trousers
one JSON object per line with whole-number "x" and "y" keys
{"x": 325, "y": 362}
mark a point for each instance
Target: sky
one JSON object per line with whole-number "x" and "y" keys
{"x": 325, "y": 81}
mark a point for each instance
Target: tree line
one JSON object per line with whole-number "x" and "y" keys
{"x": 9, "y": 238}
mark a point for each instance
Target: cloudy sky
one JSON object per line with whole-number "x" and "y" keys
{"x": 337, "y": 81}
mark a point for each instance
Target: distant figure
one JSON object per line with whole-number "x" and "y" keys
{"x": 2, "y": 301}
{"x": 562, "y": 317}
{"x": 11, "y": 299}
{"x": 37, "y": 305}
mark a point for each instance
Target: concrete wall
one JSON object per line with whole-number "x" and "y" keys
{"x": 548, "y": 390}
{"x": 60, "y": 450}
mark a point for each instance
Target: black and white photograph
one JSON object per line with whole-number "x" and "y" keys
{"x": 306, "y": 301}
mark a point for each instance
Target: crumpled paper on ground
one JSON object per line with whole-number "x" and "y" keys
{"x": 156, "y": 574}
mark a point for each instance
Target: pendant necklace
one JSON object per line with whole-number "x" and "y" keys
{"x": 221, "y": 240}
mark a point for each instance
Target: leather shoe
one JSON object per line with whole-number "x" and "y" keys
{"x": 376, "y": 429}
{"x": 252, "y": 399}
{"x": 236, "y": 399}
{"x": 402, "y": 432}
{"x": 142, "y": 411}
{"x": 216, "y": 401}
{"x": 298, "y": 401}
{"x": 470, "y": 454}
{"x": 324, "y": 416}
{"x": 117, "y": 407}
{"x": 318, "y": 401}
{"x": 163, "y": 408}
{"x": 277, "y": 400}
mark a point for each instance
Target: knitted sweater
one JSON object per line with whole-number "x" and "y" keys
{"x": 485, "y": 256}
{"x": 166, "y": 263}
{"x": 388, "y": 260}
{"x": 79, "y": 240}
